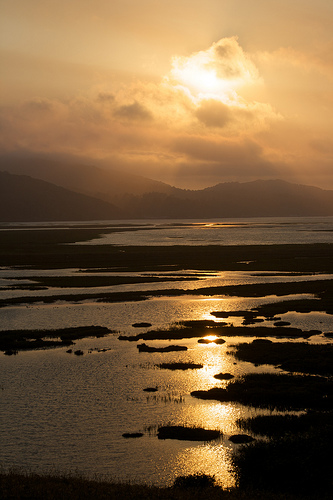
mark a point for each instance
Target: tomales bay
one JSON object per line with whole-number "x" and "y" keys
{"x": 147, "y": 351}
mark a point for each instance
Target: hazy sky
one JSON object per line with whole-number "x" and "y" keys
{"x": 189, "y": 92}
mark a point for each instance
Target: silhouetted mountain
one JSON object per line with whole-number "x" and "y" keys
{"x": 108, "y": 185}
{"x": 251, "y": 199}
{"x": 138, "y": 197}
{"x": 23, "y": 199}
{"x": 269, "y": 198}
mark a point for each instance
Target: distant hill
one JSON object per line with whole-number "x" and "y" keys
{"x": 109, "y": 194}
{"x": 108, "y": 185}
{"x": 274, "y": 198}
{"x": 24, "y": 199}
{"x": 268, "y": 198}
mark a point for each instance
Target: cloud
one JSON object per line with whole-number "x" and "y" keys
{"x": 39, "y": 105}
{"x": 217, "y": 72}
{"x": 193, "y": 162}
{"x": 214, "y": 113}
{"x": 238, "y": 119}
{"x": 134, "y": 111}
{"x": 214, "y": 80}
{"x": 105, "y": 97}
{"x": 231, "y": 62}
{"x": 206, "y": 119}
{"x": 145, "y": 113}
{"x": 217, "y": 150}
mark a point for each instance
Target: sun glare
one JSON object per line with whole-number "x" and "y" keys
{"x": 200, "y": 78}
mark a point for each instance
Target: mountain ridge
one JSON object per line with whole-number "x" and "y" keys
{"x": 83, "y": 178}
{"x": 24, "y": 199}
{"x": 109, "y": 195}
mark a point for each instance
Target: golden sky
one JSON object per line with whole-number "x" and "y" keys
{"x": 189, "y": 92}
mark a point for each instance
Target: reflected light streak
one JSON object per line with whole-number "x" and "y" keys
{"x": 215, "y": 457}
{"x": 211, "y": 337}
{"x": 206, "y": 459}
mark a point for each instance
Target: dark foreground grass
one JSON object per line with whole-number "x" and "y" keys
{"x": 295, "y": 463}
{"x": 295, "y": 357}
{"x": 275, "y": 391}
{"x": 31, "y": 486}
{"x": 297, "y": 459}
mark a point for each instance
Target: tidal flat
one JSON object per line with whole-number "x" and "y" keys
{"x": 55, "y": 248}
{"x": 252, "y": 322}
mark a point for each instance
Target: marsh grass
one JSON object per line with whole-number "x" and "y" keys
{"x": 187, "y": 433}
{"x": 194, "y": 329}
{"x": 275, "y": 391}
{"x": 132, "y": 435}
{"x": 82, "y": 281}
{"x": 77, "y": 297}
{"x": 18, "y": 485}
{"x": 168, "y": 398}
{"x": 298, "y": 463}
{"x": 295, "y": 357}
{"x": 19, "y": 340}
{"x": 219, "y": 341}
{"x": 224, "y": 376}
{"x": 169, "y": 348}
{"x": 275, "y": 426}
{"x": 180, "y": 366}
{"x": 297, "y": 466}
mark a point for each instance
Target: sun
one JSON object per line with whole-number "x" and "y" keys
{"x": 199, "y": 77}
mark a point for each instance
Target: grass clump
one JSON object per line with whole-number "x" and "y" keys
{"x": 211, "y": 341}
{"x": 24, "y": 340}
{"x": 275, "y": 426}
{"x": 180, "y": 366}
{"x": 297, "y": 357}
{"x": 195, "y": 481}
{"x": 275, "y": 391}
{"x": 187, "y": 433}
{"x": 241, "y": 439}
{"x": 132, "y": 434}
{"x": 223, "y": 376}
{"x": 169, "y": 348}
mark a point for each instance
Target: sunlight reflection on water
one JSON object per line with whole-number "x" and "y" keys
{"x": 249, "y": 231}
{"x": 69, "y": 412}
{"x": 85, "y": 404}
{"x": 158, "y": 311}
